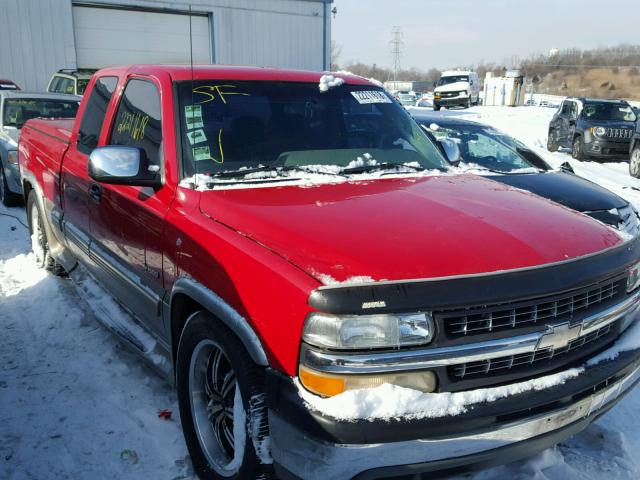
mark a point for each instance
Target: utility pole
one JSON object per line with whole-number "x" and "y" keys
{"x": 396, "y": 50}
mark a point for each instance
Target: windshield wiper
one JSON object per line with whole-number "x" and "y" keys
{"x": 272, "y": 168}
{"x": 381, "y": 166}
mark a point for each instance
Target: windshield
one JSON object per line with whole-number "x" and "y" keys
{"x": 234, "y": 126}
{"x": 18, "y": 110}
{"x": 485, "y": 147}
{"x": 609, "y": 111}
{"x": 452, "y": 79}
{"x": 81, "y": 85}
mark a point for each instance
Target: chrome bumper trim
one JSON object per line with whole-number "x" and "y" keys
{"x": 554, "y": 336}
{"x": 314, "y": 460}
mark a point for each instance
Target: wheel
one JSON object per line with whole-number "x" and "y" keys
{"x": 7, "y": 197}
{"x": 634, "y": 162}
{"x": 577, "y": 151}
{"x": 468, "y": 105}
{"x": 436, "y": 107}
{"x": 222, "y": 402}
{"x": 552, "y": 141}
{"x": 39, "y": 241}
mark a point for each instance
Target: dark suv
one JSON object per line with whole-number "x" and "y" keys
{"x": 593, "y": 128}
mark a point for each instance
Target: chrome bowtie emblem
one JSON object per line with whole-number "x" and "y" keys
{"x": 559, "y": 336}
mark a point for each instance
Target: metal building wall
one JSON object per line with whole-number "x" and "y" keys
{"x": 37, "y": 36}
{"x": 36, "y": 39}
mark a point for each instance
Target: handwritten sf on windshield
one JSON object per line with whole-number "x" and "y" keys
{"x": 211, "y": 92}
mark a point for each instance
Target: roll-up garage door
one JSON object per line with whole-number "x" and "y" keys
{"x": 114, "y": 36}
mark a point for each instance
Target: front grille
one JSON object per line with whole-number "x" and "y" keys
{"x": 448, "y": 94}
{"x": 550, "y": 309}
{"x": 619, "y": 133}
{"x": 523, "y": 361}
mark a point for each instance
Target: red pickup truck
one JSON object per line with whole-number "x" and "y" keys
{"x": 330, "y": 299}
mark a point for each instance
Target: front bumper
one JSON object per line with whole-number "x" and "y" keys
{"x": 309, "y": 445}
{"x": 607, "y": 149}
{"x": 452, "y": 101}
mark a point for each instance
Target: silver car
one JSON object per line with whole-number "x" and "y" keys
{"x": 16, "y": 107}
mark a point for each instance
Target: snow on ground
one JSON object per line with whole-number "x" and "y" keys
{"x": 75, "y": 404}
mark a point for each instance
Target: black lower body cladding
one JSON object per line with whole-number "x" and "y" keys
{"x": 306, "y": 444}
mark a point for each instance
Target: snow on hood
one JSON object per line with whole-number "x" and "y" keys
{"x": 452, "y": 87}
{"x": 406, "y": 228}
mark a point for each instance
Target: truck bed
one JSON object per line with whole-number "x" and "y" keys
{"x": 43, "y": 143}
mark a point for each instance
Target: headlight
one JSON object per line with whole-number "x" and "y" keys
{"x": 633, "y": 280}
{"x": 12, "y": 156}
{"x": 598, "y": 131}
{"x": 358, "y": 332}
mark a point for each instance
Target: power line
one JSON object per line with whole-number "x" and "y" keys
{"x": 396, "y": 49}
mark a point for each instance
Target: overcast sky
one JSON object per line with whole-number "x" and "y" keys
{"x": 449, "y": 33}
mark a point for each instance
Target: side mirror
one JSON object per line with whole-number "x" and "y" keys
{"x": 566, "y": 167}
{"x": 120, "y": 165}
{"x": 451, "y": 150}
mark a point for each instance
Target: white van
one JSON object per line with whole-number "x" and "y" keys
{"x": 456, "y": 88}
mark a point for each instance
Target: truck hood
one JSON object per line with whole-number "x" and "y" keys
{"x": 407, "y": 228}
{"x": 452, "y": 87}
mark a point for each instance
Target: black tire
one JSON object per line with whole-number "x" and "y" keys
{"x": 204, "y": 331}
{"x": 39, "y": 240}
{"x": 577, "y": 150}
{"x": 552, "y": 141}
{"x": 468, "y": 104}
{"x": 634, "y": 162}
{"x": 436, "y": 107}
{"x": 7, "y": 197}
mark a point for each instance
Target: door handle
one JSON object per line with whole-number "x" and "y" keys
{"x": 95, "y": 192}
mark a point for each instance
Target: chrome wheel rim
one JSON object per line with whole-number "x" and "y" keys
{"x": 37, "y": 239}
{"x": 635, "y": 162}
{"x": 213, "y": 393}
{"x": 576, "y": 148}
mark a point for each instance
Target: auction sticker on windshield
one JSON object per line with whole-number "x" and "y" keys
{"x": 370, "y": 96}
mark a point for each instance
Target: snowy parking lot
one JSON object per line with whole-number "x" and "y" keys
{"x": 75, "y": 404}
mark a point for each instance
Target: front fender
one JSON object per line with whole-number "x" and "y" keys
{"x": 223, "y": 311}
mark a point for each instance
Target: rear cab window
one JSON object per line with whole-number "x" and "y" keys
{"x": 138, "y": 120}
{"x": 94, "y": 113}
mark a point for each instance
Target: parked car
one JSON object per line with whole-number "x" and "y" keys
{"x": 634, "y": 149}
{"x": 70, "y": 81}
{"x": 16, "y": 107}
{"x": 277, "y": 244}
{"x": 6, "y": 84}
{"x": 407, "y": 99}
{"x": 506, "y": 160}
{"x": 456, "y": 88}
{"x": 593, "y": 128}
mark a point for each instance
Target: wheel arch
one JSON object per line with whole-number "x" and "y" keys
{"x": 189, "y": 296}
